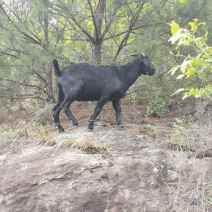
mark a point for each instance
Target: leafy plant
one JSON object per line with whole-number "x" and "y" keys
{"x": 208, "y": 199}
{"x": 157, "y": 107}
{"x": 105, "y": 146}
{"x": 197, "y": 64}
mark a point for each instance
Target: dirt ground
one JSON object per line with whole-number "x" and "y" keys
{"x": 152, "y": 164}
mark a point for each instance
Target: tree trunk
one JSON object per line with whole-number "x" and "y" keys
{"x": 97, "y": 53}
{"x": 48, "y": 69}
{"x": 49, "y": 87}
{"x": 97, "y": 42}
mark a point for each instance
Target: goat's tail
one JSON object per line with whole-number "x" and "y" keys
{"x": 56, "y": 68}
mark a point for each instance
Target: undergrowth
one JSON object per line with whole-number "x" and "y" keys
{"x": 192, "y": 138}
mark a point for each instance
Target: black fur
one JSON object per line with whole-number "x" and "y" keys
{"x": 85, "y": 82}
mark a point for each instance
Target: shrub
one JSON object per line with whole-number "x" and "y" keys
{"x": 197, "y": 61}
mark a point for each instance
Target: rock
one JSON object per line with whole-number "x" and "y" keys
{"x": 124, "y": 178}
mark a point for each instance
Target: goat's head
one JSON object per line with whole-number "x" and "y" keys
{"x": 147, "y": 67}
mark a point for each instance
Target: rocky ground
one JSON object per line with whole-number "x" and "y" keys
{"x": 107, "y": 169}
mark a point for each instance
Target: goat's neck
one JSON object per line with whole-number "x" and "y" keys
{"x": 131, "y": 73}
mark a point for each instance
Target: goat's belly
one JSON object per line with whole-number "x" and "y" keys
{"x": 96, "y": 96}
{"x": 89, "y": 96}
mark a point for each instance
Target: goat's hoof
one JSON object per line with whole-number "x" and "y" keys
{"x": 60, "y": 129}
{"x": 75, "y": 124}
{"x": 120, "y": 127}
{"x": 90, "y": 127}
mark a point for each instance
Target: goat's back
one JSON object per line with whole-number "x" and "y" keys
{"x": 90, "y": 81}
{"x": 86, "y": 70}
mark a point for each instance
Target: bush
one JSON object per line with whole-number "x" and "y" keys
{"x": 197, "y": 61}
{"x": 157, "y": 107}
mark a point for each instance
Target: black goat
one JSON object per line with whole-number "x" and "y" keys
{"x": 85, "y": 82}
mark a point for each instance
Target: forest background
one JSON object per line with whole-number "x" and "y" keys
{"x": 33, "y": 33}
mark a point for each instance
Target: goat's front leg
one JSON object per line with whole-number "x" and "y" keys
{"x": 97, "y": 111}
{"x": 117, "y": 108}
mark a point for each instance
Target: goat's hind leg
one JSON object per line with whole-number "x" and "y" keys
{"x": 57, "y": 109}
{"x": 66, "y": 106}
{"x": 70, "y": 115}
{"x": 117, "y": 108}
{"x": 56, "y": 112}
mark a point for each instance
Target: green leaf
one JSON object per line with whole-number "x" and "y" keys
{"x": 174, "y": 27}
{"x": 173, "y": 70}
{"x": 209, "y": 60}
{"x": 178, "y": 91}
{"x": 208, "y": 86}
{"x": 202, "y": 75}
{"x": 185, "y": 65}
{"x": 193, "y": 26}
{"x": 183, "y": 1}
{"x": 180, "y": 76}
{"x": 189, "y": 73}
{"x": 175, "y": 30}
{"x": 196, "y": 62}
{"x": 192, "y": 91}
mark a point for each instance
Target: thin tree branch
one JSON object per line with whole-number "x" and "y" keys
{"x": 126, "y": 31}
{"x": 108, "y": 24}
{"x": 40, "y": 76}
{"x": 18, "y": 29}
{"x": 195, "y": 14}
{"x": 19, "y": 83}
{"x": 26, "y": 97}
{"x": 8, "y": 54}
{"x": 132, "y": 23}
{"x": 74, "y": 20}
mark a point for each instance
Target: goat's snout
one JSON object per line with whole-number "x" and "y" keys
{"x": 151, "y": 72}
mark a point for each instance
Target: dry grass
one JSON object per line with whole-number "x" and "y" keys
{"x": 193, "y": 138}
{"x": 38, "y": 129}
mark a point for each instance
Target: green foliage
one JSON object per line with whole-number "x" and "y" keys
{"x": 178, "y": 139}
{"x": 208, "y": 199}
{"x": 155, "y": 95}
{"x": 34, "y": 32}
{"x": 105, "y": 146}
{"x": 195, "y": 65}
{"x": 157, "y": 107}
{"x": 45, "y": 117}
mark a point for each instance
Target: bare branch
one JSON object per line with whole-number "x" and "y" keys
{"x": 126, "y": 31}
{"x": 8, "y": 54}
{"x": 26, "y": 96}
{"x": 27, "y": 85}
{"x": 38, "y": 41}
{"x": 108, "y": 24}
{"x": 40, "y": 76}
{"x": 131, "y": 27}
{"x": 79, "y": 25}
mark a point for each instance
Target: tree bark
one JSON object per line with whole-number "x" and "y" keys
{"x": 97, "y": 53}
{"x": 98, "y": 20}
{"x": 48, "y": 69}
